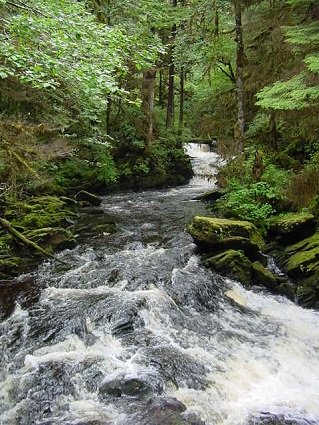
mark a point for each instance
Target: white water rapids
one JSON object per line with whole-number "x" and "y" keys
{"x": 137, "y": 310}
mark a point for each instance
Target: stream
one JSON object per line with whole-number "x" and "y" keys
{"x": 136, "y": 327}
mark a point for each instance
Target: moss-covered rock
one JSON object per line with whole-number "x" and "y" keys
{"x": 303, "y": 257}
{"x": 216, "y": 234}
{"x": 301, "y": 262}
{"x": 232, "y": 263}
{"x": 308, "y": 291}
{"x": 290, "y": 228}
{"x": 263, "y": 276}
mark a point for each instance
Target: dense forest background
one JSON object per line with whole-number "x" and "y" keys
{"x": 102, "y": 94}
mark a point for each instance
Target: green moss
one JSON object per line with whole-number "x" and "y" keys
{"x": 303, "y": 262}
{"x": 303, "y": 257}
{"x": 306, "y": 244}
{"x": 263, "y": 276}
{"x": 233, "y": 263}
{"x": 308, "y": 292}
{"x": 287, "y": 223}
{"x": 39, "y": 212}
{"x": 215, "y": 230}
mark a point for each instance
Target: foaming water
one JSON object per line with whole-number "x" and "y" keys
{"x": 137, "y": 318}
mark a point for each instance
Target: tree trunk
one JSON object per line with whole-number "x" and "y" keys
{"x": 171, "y": 77}
{"x": 239, "y": 133}
{"x": 181, "y": 97}
{"x": 160, "y": 89}
{"x": 148, "y": 95}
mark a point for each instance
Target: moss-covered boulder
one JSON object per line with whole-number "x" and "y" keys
{"x": 232, "y": 263}
{"x": 290, "y": 228}
{"x": 263, "y": 276}
{"x": 217, "y": 234}
{"x": 301, "y": 263}
{"x": 308, "y": 291}
{"x": 303, "y": 257}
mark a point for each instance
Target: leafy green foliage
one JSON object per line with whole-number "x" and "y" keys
{"x": 288, "y": 95}
{"x": 251, "y": 200}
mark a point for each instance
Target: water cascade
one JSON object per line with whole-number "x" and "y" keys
{"x": 136, "y": 326}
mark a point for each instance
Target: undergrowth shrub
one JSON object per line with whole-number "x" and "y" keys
{"x": 253, "y": 200}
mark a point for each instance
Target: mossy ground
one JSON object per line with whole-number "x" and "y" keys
{"x": 40, "y": 219}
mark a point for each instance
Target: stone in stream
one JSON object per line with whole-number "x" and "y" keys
{"x": 219, "y": 234}
{"x": 210, "y": 196}
{"x": 167, "y": 411}
{"x": 263, "y": 276}
{"x": 232, "y": 263}
{"x": 267, "y": 418}
{"x": 233, "y": 248}
{"x": 130, "y": 386}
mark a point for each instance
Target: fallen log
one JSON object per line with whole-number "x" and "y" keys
{"x": 6, "y": 225}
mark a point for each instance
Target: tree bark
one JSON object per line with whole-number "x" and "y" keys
{"x": 181, "y": 97}
{"x": 171, "y": 78}
{"x": 240, "y": 54}
{"x": 148, "y": 95}
{"x": 160, "y": 89}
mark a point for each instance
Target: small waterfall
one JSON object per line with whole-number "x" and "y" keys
{"x": 136, "y": 325}
{"x": 205, "y": 164}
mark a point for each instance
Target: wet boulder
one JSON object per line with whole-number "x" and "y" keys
{"x": 163, "y": 410}
{"x": 263, "y": 276}
{"x": 266, "y": 418}
{"x": 129, "y": 386}
{"x": 232, "y": 263}
{"x": 301, "y": 262}
{"x": 210, "y": 196}
{"x": 290, "y": 228}
{"x": 217, "y": 234}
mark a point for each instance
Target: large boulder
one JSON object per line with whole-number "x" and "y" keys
{"x": 218, "y": 234}
{"x": 290, "y": 228}
{"x": 302, "y": 263}
{"x": 232, "y": 263}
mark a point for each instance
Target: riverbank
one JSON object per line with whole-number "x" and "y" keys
{"x": 284, "y": 258}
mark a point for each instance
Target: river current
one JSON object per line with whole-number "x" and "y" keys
{"x": 137, "y": 318}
